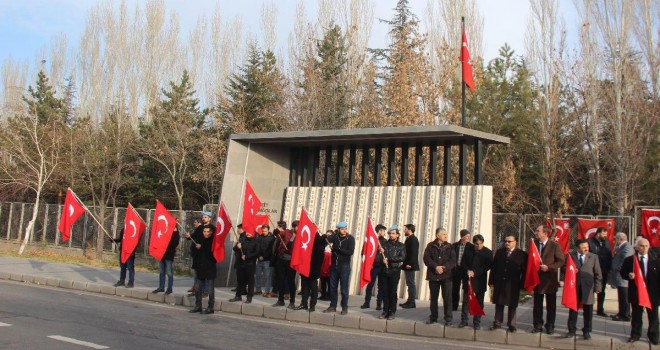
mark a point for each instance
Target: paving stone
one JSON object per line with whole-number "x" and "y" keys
{"x": 110, "y": 290}
{"x": 322, "y": 318}
{"x": 497, "y": 336}
{"x": 297, "y": 315}
{"x": 618, "y": 344}
{"x": 370, "y": 323}
{"x": 66, "y": 284}
{"x": 595, "y": 343}
{"x": 233, "y": 307}
{"x": 28, "y": 278}
{"x": 278, "y": 313}
{"x": 143, "y": 294}
{"x": 18, "y": 277}
{"x": 78, "y": 285}
{"x": 40, "y": 280}
{"x": 347, "y": 321}
{"x": 466, "y": 333}
{"x": 252, "y": 310}
{"x": 429, "y": 330}
{"x": 53, "y": 282}
{"x": 174, "y": 299}
{"x": 400, "y": 326}
{"x": 188, "y": 301}
{"x": 217, "y": 305}
{"x": 124, "y": 292}
{"x": 524, "y": 338}
{"x": 557, "y": 342}
{"x": 4, "y": 275}
{"x": 92, "y": 287}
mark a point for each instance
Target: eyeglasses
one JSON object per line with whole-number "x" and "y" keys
{"x": 509, "y": 241}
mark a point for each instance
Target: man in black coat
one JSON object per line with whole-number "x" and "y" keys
{"x": 599, "y": 245}
{"x": 651, "y": 270}
{"x": 440, "y": 260}
{"x": 246, "y": 252}
{"x": 128, "y": 265}
{"x": 507, "y": 278}
{"x": 394, "y": 253}
{"x": 411, "y": 265}
{"x": 375, "y": 271}
{"x": 309, "y": 284}
{"x": 264, "y": 280}
{"x": 206, "y": 271}
{"x": 464, "y": 251}
{"x": 478, "y": 266}
{"x": 197, "y": 236}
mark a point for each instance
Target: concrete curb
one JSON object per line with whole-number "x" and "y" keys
{"x": 365, "y": 322}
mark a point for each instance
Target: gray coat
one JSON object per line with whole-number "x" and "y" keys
{"x": 620, "y": 254}
{"x": 589, "y": 279}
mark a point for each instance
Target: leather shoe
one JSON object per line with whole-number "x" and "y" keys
{"x": 495, "y": 326}
{"x": 408, "y": 306}
{"x": 168, "y": 292}
{"x": 391, "y": 317}
{"x": 278, "y": 303}
{"x": 570, "y": 335}
{"x": 118, "y": 284}
{"x": 550, "y": 331}
{"x": 248, "y": 301}
{"x": 330, "y": 309}
{"x": 602, "y": 314}
{"x": 512, "y": 329}
{"x": 431, "y": 321}
{"x": 208, "y": 310}
{"x": 312, "y": 309}
{"x": 378, "y": 307}
{"x": 632, "y": 340}
{"x": 364, "y": 306}
{"x": 462, "y": 325}
{"x": 382, "y": 316}
{"x": 301, "y": 307}
{"x": 157, "y": 290}
{"x": 344, "y": 311}
{"x": 291, "y": 306}
{"x": 196, "y": 309}
{"x": 537, "y": 330}
{"x": 619, "y": 318}
{"x": 654, "y": 341}
{"x": 235, "y": 299}
{"x": 586, "y": 335}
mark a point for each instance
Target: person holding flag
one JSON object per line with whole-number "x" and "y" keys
{"x": 163, "y": 242}
{"x": 309, "y": 284}
{"x": 477, "y": 272}
{"x": 129, "y": 265}
{"x": 552, "y": 259}
{"x": 197, "y": 236}
{"x": 600, "y": 245}
{"x": 507, "y": 278}
{"x": 246, "y": 252}
{"x": 394, "y": 255}
{"x": 585, "y": 280}
{"x": 135, "y": 226}
{"x": 206, "y": 272}
{"x": 643, "y": 274}
{"x": 375, "y": 272}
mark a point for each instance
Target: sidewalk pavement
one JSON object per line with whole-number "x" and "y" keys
{"x": 607, "y": 334}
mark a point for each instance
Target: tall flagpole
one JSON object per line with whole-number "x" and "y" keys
{"x": 462, "y": 81}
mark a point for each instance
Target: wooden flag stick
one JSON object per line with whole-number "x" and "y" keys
{"x": 90, "y": 214}
{"x": 278, "y": 236}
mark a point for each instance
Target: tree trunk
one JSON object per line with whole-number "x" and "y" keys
{"x": 30, "y": 226}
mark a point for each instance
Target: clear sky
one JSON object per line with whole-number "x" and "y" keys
{"x": 27, "y": 26}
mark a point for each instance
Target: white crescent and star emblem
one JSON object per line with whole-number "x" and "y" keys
{"x": 163, "y": 218}
{"x": 373, "y": 246}
{"x": 572, "y": 268}
{"x": 251, "y": 201}
{"x": 305, "y": 230}
{"x": 71, "y": 210}
{"x": 132, "y": 224}
{"x": 648, "y": 222}
{"x": 559, "y": 235}
{"x": 591, "y": 232}
{"x": 221, "y": 224}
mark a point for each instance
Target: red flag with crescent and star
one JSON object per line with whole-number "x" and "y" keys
{"x": 369, "y": 251}
{"x": 259, "y": 221}
{"x": 587, "y": 228}
{"x": 651, "y": 226}
{"x": 474, "y": 307}
{"x": 533, "y": 265}
{"x": 569, "y": 293}
{"x": 70, "y": 213}
{"x": 134, "y": 227}
{"x": 301, "y": 254}
{"x": 562, "y": 232}
{"x": 640, "y": 283}
{"x": 222, "y": 228}
{"x": 161, "y": 231}
{"x": 251, "y": 206}
{"x": 468, "y": 76}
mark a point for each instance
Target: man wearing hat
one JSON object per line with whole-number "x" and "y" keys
{"x": 343, "y": 246}
{"x": 464, "y": 251}
{"x": 197, "y": 236}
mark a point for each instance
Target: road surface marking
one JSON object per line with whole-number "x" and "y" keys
{"x": 4, "y": 324}
{"x": 78, "y": 342}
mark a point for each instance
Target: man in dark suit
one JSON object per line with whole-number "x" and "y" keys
{"x": 599, "y": 245}
{"x": 464, "y": 251}
{"x": 622, "y": 250}
{"x": 650, "y": 274}
{"x": 552, "y": 259}
{"x": 411, "y": 265}
{"x": 507, "y": 279}
{"x": 588, "y": 280}
{"x": 478, "y": 268}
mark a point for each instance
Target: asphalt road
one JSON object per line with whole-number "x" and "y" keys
{"x": 35, "y": 317}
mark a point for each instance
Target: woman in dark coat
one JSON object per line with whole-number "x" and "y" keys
{"x": 310, "y": 284}
{"x": 507, "y": 278}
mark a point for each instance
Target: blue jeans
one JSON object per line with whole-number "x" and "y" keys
{"x": 339, "y": 274}
{"x": 263, "y": 269}
{"x": 130, "y": 266}
{"x": 166, "y": 268}
{"x": 370, "y": 287}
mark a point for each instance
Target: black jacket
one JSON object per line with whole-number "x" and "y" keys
{"x": 206, "y": 261}
{"x": 266, "y": 246}
{"x": 652, "y": 276}
{"x": 412, "y": 253}
{"x": 439, "y": 254}
{"x": 342, "y": 249}
{"x": 507, "y": 276}
{"x": 378, "y": 261}
{"x": 197, "y": 235}
{"x": 482, "y": 261}
{"x": 170, "y": 252}
{"x": 249, "y": 248}
{"x": 318, "y": 253}
{"x": 604, "y": 252}
{"x": 395, "y": 252}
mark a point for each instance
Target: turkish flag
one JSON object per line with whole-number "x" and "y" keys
{"x": 587, "y": 228}
{"x": 642, "y": 292}
{"x": 301, "y": 254}
{"x": 468, "y": 77}
{"x": 70, "y": 213}
{"x": 369, "y": 251}
{"x": 569, "y": 293}
{"x": 260, "y": 220}
{"x": 222, "y": 227}
{"x": 533, "y": 266}
{"x": 562, "y": 232}
{"x": 473, "y": 304}
{"x": 133, "y": 229}
{"x": 161, "y": 231}
{"x": 251, "y": 205}
{"x": 651, "y": 226}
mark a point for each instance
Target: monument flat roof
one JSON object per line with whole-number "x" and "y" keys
{"x": 410, "y": 135}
